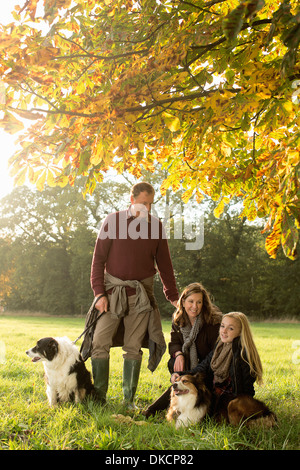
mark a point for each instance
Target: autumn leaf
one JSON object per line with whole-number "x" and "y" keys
{"x": 40, "y": 183}
{"x": 172, "y": 122}
{"x": 30, "y": 6}
{"x": 186, "y": 196}
{"x": 28, "y": 114}
{"x": 225, "y": 149}
{"x": 10, "y": 124}
{"x": 234, "y": 21}
{"x": 290, "y": 235}
{"x": 21, "y": 177}
{"x": 42, "y": 56}
{"x": 7, "y": 40}
{"x": 220, "y": 207}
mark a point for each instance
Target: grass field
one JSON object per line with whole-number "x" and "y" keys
{"x": 27, "y": 422}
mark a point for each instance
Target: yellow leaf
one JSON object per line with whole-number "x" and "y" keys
{"x": 219, "y": 209}
{"x": 97, "y": 154}
{"x": 164, "y": 186}
{"x": 51, "y": 179}
{"x": 20, "y": 178}
{"x": 7, "y": 40}
{"x": 273, "y": 241}
{"x": 293, "y": 157}
{"x": 41, "y": 181}
{"x": 187, "y": 195}
{"x": 172, "y": 122}
{"x": 10, "y": 124}
{"x": 63, "y": 181}
{"x": 288, "y": 106}
{"x": 225, "y": 149}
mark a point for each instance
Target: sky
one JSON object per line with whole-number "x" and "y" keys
{"x": 7, "y": 145}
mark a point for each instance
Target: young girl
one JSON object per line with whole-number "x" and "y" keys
{"x": 233, "y": 366}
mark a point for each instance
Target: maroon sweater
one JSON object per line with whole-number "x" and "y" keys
{"x": 131, "y": 250}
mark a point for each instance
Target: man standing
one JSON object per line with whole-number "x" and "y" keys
{"x": 130, "y": 246}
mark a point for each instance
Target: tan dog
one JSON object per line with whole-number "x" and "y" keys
{"x": 190, "y": 400}
{"x": 251, "y": 412}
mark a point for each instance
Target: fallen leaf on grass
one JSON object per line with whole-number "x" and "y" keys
{"x": 127, "y": 419}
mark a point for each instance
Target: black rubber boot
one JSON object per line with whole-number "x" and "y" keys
{"x": 131, "y": 373}
{"x": 100, "y": 369}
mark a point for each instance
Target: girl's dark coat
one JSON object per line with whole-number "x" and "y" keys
{"x": 241, "y": 379}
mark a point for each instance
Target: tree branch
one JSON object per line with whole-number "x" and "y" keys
{"x": 95, "y": 56}
{"x": 206, "y": 10}
{"x": 209, "y": 47}
{"x": 156, "y": 103}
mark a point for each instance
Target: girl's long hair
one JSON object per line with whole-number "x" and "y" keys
{"x": 249, "y": 352}
{"x": 211, "y": 314}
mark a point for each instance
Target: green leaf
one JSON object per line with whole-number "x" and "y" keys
{"x": 290, "y": 235}
{"x": 233, "y": 23}
{"x": 253, "y": 6}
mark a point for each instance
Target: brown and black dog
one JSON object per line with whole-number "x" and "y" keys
{"x": 251, "y": 412}
{"x": 191, "y": 401}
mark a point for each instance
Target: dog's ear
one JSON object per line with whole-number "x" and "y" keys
{"x": 52, "y": 349}
{"x": 199, "y": 377}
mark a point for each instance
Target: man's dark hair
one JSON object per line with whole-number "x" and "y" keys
{"x": 140, "y": 188}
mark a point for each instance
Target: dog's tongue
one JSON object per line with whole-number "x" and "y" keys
{"x": 181, "y": 392}
{"x": 35, "y": 359}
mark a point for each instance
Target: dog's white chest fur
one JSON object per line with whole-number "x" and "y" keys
{"x": 60, "y": 383}
{"x": 190, "y": 400}
{"x": 188, "y": 412}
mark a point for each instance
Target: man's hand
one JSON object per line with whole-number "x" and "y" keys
{"x": 174, "y": 303}
{"x": 102, "y": 304}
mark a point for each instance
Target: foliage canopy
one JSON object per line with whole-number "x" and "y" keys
{"x": 207, "y": 88}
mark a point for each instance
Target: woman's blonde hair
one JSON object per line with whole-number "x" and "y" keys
{"x": 211, "y": 314}
{"x": 249, "y": 352}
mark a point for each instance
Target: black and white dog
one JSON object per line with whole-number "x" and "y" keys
{"x": 67, "y": 377}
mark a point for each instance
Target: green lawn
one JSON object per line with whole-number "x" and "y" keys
{"x": 26, "y": 421}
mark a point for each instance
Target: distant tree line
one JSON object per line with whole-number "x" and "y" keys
{"x": 47, "y": 240}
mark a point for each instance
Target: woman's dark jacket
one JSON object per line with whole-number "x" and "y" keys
{"x": 242, "y": 381}
{"x": 205, "y": 341}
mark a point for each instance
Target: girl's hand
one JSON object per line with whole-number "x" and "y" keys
{"x": 174, "y": 377}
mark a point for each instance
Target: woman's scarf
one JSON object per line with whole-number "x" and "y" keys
{"x": 221, "y": 360}
{"x": 190, "y": 334}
